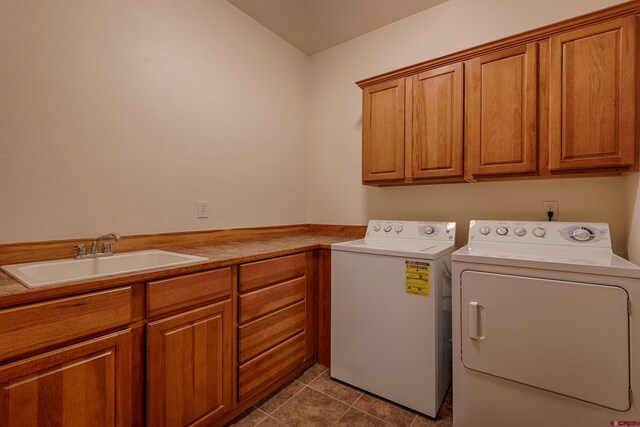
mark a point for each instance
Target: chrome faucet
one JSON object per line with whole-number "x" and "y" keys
{"x": 106, "y": 247}
{"x": 81, "y": 249}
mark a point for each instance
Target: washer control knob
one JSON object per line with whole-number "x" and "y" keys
{"x": 399, "y": 228}
{"x": 387, "y": 228}
{"x": 539, "y": 232}
{"x": 485, "y": 230}
{"x": 582, "y": 234}
{"x": 520, "y": 231}
{"x": 376, "y": 227}
{"x": 502, "y": 231}
{"x": 429, "y": 230}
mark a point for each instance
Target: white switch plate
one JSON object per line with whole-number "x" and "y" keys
{"x": 203, "y": 209}
{"x": 553, "y": 206}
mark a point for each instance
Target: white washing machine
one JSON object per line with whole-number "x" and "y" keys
{"x": 545, "y": 327}
{"x": 391, "y": 312}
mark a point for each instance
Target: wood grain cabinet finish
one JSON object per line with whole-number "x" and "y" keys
{"x": 181, "y": 292}
{"x": 436, "y": 123}
{"x": 262, "y": 334}
{"x": 275, "y": 320}
{"x": 501, "y": 113}
{"x": 592, "y": 96}
{"x": 383, "y": 109}
{"x": 269, "y": 366}
{"x": 258, "y": 274}
{"x": 189, "y": 367}
{"x": 32, "y": 327}
{"x": 87, "y": 384}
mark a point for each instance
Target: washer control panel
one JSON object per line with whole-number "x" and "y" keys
{"x": 542, "y": 232}
{"x": 426, "y": 230}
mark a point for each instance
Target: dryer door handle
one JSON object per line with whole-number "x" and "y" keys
{"x": 474, "y": 321}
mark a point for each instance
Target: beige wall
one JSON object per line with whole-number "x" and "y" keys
{"x": 633, "y": 217}
{"x": 120, "y": 115}
{"x": 335, "y": 191}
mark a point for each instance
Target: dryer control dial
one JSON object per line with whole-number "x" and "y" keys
{"x": 376, "y": 227}
{"x": 502, "y": 231}
{"x": 399, "y": 228}
{"x": 387, "y": 228}
{"x": 520, "y": 231}
{"x": 539, "y": 232}
{"x": 429, "y": 230}
{"x": 582, "y": 234}
{"x": 484, "y": 230}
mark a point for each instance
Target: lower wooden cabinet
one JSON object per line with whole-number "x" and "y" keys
{"x": 216, "y": 342}
{"x": 189, "y": 371}
{"x": 87, "y": 384}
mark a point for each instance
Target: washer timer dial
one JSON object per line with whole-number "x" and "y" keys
{"x": 582, "y": 234}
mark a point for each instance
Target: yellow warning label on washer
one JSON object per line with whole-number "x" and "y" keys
{"x": 416, "y": 278}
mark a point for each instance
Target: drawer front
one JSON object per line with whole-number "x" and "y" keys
{"x": 167, "y": 295}
{"x": 34, "y": 326}
{"x": 266, "y": 368}
{"x": 258, "y": 336}
{"x": 263, "y": 273}
{"x": 264, "y": 301}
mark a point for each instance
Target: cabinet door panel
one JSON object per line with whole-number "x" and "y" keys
{"x": 81, "y": 385}
{"x": 592, "y": 96}
{"x": 189, "y": 371}
{"x": 437, "y": 123}
{"x": 501, "y": 112}
{"x": 383, "y": 131}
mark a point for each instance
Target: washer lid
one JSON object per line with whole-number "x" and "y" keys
{"x": 415, "y": 249}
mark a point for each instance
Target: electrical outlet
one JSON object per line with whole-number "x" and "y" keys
{"x": 203, "y": 209}
{"x": 550, "y": 206}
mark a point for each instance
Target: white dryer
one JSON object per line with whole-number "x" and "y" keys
{"x": 391, "y": 312}
{"x": 545, "y": 327}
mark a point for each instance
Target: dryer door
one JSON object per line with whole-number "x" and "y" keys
{"x": 565, "y": 337}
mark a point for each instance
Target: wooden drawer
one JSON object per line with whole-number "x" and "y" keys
{"x": 264, "y": 301}
{"x": 34, "y": 326}
{"x": 258, "y": 336}
{"x": 266, "y": 368}
{"x": 263, "y": 273}
{"x": 172, "y": 294}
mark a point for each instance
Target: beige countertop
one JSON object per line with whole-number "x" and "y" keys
{"x": 219, "y": 254}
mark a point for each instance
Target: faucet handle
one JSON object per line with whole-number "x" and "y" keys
{"x": 80, "y": 250}
{"x": 107, "y": 248}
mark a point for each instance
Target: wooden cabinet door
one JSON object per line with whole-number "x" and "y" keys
{"x": 592, "y": 96}
{"x": 501, "y": 112}
{"x": 437, "y": 123}
{"x": 87, "y": 384}
{"x": 189, "y": 367}
{"x": 383, "y": 131}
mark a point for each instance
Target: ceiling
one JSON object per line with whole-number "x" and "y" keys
{"x": 316, "y": 25}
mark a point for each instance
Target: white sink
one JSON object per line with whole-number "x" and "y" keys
{"x": 37, "y": 274}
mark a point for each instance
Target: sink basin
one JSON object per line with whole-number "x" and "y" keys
{"x": 45, "y": 273}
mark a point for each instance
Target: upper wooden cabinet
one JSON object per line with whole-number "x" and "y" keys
{"x": 383, "y": 132}
{"x": 555, "y": 101}
{"x": 436, "y": 123}
{"x": 501, "y": 112}
{"x": 592, "y": 96}
{"x": 412, "y": 128}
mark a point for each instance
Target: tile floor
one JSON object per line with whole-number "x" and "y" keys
{"x": 314, "y": 399}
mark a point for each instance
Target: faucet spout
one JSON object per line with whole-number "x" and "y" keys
{"x": 94, "y": 246}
